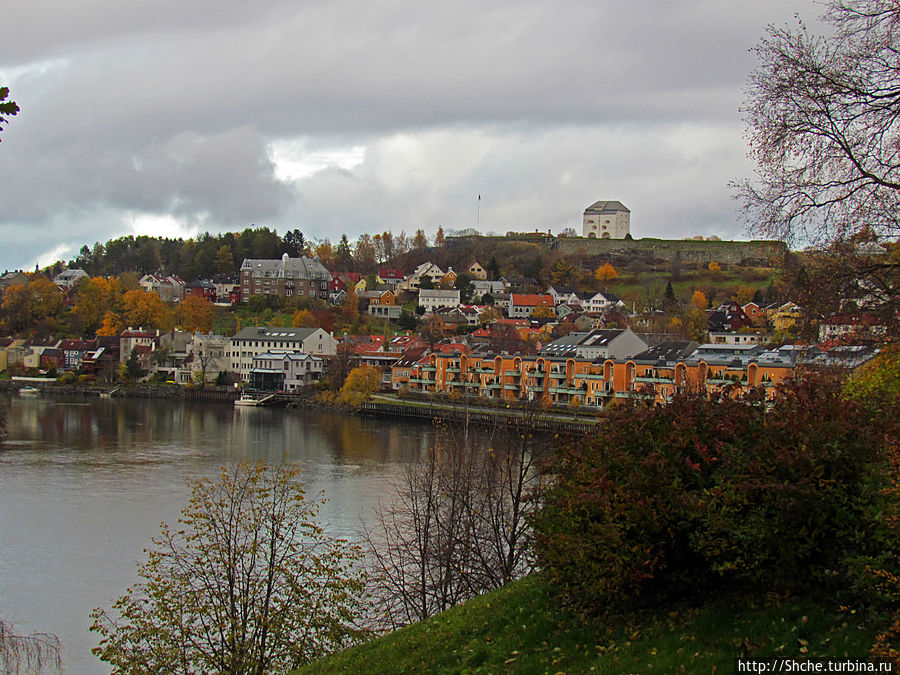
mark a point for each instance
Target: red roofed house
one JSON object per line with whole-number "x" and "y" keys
{"x": 522, "y": 304}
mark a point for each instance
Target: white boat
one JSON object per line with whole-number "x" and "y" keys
{"x": 29, "y": 391}
{"x": 246, "y": 401}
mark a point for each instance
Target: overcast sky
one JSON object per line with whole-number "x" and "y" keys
{"x": 173, "y": 117}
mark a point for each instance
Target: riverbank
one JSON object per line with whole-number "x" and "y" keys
{"x": 172, "y": 392}
{"x": 388, "y": 406}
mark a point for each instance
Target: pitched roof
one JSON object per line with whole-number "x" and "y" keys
{"x": 607, "y": 207}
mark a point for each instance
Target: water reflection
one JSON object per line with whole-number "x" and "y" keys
{"x": 84, "y": 485}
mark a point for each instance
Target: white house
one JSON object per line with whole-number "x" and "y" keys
{"x": 434, "y": 298}
{"x": 257, "y": 340}
{"x": 285, "y": 370}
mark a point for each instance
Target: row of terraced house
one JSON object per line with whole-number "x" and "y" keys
{"x": 582, "y": 378}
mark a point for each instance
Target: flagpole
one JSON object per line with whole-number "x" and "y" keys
{"x": 478, "y": 214}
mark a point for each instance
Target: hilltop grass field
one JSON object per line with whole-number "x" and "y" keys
{"x": 518, "y": 629}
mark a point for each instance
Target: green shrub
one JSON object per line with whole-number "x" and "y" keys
{"x": 689, "y": 497}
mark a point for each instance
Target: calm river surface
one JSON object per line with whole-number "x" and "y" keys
{"x": 84, "y": 485}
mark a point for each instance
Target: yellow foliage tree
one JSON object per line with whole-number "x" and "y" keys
{"x": 350, "y": 308}
{"x": 360, "y": 384}
{"x": 111, "y": 324}
{"x": 606, "y": 273}
{"x": 303, "y": 318}
{"x": 543, "y": 312}
{"x": 715, "y": 269}
{"x": 146, "y": 310}
{"x": 698, "y": 300}
{"x": 94, "y": 299}
{"x": 744, "y": 295}
{"x": 197, "y": 314}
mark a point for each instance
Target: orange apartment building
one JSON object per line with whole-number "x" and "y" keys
{"x": 573, "y": 381}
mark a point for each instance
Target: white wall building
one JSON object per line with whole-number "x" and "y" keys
{"x": 432, "y": 299}
{"x": 256, "y": 340}
{"x": 607, "y": 220}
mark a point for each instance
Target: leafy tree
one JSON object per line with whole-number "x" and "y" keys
{"x": 744, "y": 294}
{"x": 324, "y": 253}
{"x": 420, "y": 243}
{"x": 715, "y": 269}
{"x": 224, "y": 260}
{"x": 361, "y": 383}
{"x": 7, "y": 108}
{"x": 698, "y": 300}
{"x": 821, "y": 120}
{"x": 439, "y": 239}
{"x": 132, "y": 367}
{"x": 197, "y": 314}
{"x": 350, "y": 308}
{"x": 303, "y": 318}
{"x": 140, "y": 308}
{"x": 111, "y": 324}
{"x": 562, "y": 273}
{"x": 407, "y": 320}
{"x": 702, "y": 494}
{"x": 94, "y": 298}
{"x": 606, "y": 273}
{"x": 247, "y": 583}
{"x": 426, "y": 283}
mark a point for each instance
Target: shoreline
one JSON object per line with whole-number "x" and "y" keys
{"x": 381, "y": 405}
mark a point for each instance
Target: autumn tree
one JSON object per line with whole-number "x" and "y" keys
{"x": 303, "y": 318}
{"x": 361, "y": 383}
{"x": 111, "y": 324}
{"x": 32, "y": 306}
{"x": 822, "y": 124}
{"x": 419, "y": 242}
{"x": 7, "y": 108}
{"x": 715, "y": 269}
{"x": 350, "y": 308}
{"x": 605, "y": 274}
{"x": 439, "y": 239}
{"x": 324, "y": 253}
{"x": 246, "y": 583}
{"x": 562, "y": 273}
{"x": 197, "y": 314}
{"x": 699, "y": 300}
{"x": 147, "y": 310}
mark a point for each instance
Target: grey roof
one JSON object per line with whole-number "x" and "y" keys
{"x": 262, "y": 333}
{"x": 288, "y": 268}
{"x": 670, "y": 350}
{"x": 606, "y": 207}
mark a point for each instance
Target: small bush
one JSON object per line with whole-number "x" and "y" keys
{"x": 686, "y": 498}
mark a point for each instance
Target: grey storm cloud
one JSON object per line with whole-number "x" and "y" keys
{"x": 177, "y": 109}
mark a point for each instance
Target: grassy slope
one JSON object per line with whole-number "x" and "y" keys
{"x": 515, "y": 630}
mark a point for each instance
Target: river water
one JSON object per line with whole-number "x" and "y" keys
{"x": 84, "y": 485}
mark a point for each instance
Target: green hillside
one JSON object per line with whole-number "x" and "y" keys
{"x": 518, "y": 630}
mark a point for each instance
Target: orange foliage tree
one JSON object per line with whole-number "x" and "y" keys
{"x": 146, "y": 310}
{"x": 197, "y": 314}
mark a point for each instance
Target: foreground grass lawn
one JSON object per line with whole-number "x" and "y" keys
{"x": 517, "y": 630}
